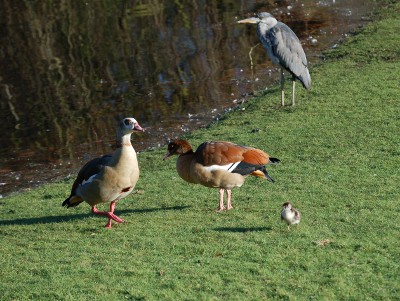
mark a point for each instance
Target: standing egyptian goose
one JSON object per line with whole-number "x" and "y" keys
{"x": 109, "y": 178}
{"x": 219, "y": 164}
{"x": 290, "y": 214}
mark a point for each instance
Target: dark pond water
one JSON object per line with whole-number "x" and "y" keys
{"x": 69, "y": 70}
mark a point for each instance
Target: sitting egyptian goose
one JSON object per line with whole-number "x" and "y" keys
{"x": 290, "y": 214}
{"x": 109, "y": 178}
{"x": 219, "y": 164}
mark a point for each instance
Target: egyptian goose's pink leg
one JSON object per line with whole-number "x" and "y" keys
{"x": 221, "y": 200}
{"x": 110, "y": 214}
{"x": 229, "y": 205}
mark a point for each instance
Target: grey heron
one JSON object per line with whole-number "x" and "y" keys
{"x": 283, "y": 48}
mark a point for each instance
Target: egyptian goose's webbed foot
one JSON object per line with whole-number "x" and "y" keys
{"x": 110, "y": 215}
{"x": 115, "y": 218}
{"x": 109, "y": 225}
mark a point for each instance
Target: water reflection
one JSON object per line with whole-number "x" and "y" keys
{"x": 71, "y": 69}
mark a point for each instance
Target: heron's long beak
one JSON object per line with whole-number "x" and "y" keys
{"x": 250, "y": 20}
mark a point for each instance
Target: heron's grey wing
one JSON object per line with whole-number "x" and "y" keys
{"x": 287, "y": 48}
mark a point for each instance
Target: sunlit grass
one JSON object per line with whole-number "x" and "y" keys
{"x": 340, "y": 156}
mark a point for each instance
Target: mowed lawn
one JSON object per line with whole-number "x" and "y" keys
{"x": 340, "y": 156}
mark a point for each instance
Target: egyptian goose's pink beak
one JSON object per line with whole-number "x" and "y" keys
{"x": 138, "y": 128}
{"x": 167, "y": 155}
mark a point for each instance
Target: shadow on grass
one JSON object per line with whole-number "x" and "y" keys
{"x": 67, "y": 218}
{"x": 153, "y": 209}
{"x": 242, "y": 229}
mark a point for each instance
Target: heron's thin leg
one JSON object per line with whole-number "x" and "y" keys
{"x": 282, "y": 88}
{"x": 293, "y": 91}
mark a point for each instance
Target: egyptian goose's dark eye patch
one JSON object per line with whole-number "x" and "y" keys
{"x": 127, "y": 121}
{"x": 171, "y": 146}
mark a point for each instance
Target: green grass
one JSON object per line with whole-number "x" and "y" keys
{"x": 340, "y": 153}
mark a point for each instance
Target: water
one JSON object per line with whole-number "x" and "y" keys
{"x": 71, "y": 69}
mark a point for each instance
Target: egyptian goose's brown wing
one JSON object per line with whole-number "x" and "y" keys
{"x": 255, "y": 156}
{"x": 222, "y": 153}
{"x": 218, "y": 153}
{"x": 90, "y": 169}
{"x": 239, "y": 159}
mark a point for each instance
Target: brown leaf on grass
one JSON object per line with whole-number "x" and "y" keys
{"x": 322, "y": 242}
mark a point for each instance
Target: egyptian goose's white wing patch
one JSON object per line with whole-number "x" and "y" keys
{"x": 229, "y": 167}
{"x": 88, "y": 180}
